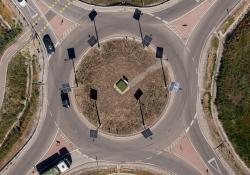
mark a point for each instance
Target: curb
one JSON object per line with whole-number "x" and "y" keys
{"x": 150, "y": 9}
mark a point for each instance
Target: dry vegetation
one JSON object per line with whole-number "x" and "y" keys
{"x": 120, "y": 114}
{"x": 14, "y": 99}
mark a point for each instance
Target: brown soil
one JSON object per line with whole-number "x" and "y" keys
{"x": 120, "y": 114}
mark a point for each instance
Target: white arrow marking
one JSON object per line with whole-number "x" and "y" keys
{"x": 213, "y": 163}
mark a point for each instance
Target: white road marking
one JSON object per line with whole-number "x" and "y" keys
{"x": 157, "y": 17}
{"x": 187, "y": 129}
{"x": 213, "y": 163}
{"x": 166, "y": 22}
{"x": 196, "y": 70}
{"x": 151, "y": 14}
{"x": 149, "y": 158}
{"x": 195, "y": 116}
{"x": 56, "y": 44}
{"x": 192, "y": 122}
{"x": 193, "y": 59}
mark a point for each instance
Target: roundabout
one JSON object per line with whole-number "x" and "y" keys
{"x": 167, "y": 126}
{"x": 122, "y": 63}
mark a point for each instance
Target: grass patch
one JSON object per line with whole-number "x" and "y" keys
{"x": 121, "y": 85}
{"x": 233, "y": 98}
{"x": 14, "y": 98}
{"x": 20, "y": 132}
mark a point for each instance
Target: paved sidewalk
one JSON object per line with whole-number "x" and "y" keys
{"x": 5, "y": 59}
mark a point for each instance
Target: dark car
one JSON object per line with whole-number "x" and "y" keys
{"x": 65, "y": 99}
{"x": 48, "y": 44}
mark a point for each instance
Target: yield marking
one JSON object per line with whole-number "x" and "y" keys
{"x": 213, "y": 163}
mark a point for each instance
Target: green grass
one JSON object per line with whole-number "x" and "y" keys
{"x": 233, "y": 99}
{"x": 121, "y": 85}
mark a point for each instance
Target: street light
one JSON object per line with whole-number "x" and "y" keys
{"x": 72, "y": 56}
{"x": 92, "y": 16}
{"x": 159, "y": 54}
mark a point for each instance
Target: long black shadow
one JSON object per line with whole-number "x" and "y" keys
{"x": 97, "y": 112}
{"x": 163, "y": 74}
{"x": 96, "y": 33}
{"x": 142, "y": 117}
{"x": 141, "y": 32}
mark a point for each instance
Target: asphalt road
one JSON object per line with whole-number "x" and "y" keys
{"x": 180, "y": 113}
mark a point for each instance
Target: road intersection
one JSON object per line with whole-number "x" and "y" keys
{"x": 69, "y": 26}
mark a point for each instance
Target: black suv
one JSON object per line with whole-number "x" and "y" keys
{"x": 65, "y": 99}
{"x": 48, "y": 44}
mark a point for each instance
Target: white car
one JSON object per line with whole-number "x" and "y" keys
{"x": 22, "y": 2}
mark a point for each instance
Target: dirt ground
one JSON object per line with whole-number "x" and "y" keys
{"x": 120, "y": 114}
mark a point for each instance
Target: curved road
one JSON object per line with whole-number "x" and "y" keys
{"x": 180, "y": 113}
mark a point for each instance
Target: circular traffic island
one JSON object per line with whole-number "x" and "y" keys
{"x": 121, "y": 87}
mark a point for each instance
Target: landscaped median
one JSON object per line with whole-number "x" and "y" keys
{"x": 20, "y": 103}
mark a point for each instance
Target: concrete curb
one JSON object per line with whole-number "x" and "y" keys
{"x": 126, "y": 8}
{"x": 118, "y": 165}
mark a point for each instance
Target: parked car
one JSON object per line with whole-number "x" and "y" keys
{"x": 22, "y": 2}
{"x": 65, "y": 99}
{"x": 48, "y": 44}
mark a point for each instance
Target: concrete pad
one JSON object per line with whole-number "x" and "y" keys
{"x": 186, "y": 151}
{"x": 60, "y": 25}
{"x": 186, "y": 23}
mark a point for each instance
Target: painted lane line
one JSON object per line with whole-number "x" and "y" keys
{"x": 193, "y": 59}
{"x": 192, "y": 122}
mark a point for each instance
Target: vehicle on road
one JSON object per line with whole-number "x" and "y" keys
{"x": 48, "y": 44}
{"x": 65, "y": 99}
{"x": 22, "y": 3}
{"x": 60, "y": 168}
